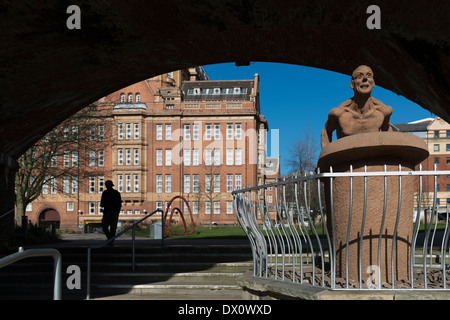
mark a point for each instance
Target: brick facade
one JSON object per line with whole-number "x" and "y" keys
{"x": 170, "y": 136}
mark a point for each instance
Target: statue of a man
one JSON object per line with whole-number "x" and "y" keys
{"x": 360, "y": 114}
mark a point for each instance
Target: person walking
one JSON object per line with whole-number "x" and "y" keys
{"x": 111, "y": 202}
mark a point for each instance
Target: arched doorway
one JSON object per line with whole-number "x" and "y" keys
{"x": 49, "y": 217}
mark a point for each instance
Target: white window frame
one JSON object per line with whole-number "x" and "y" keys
{"x": 158, "y": 157}
{"x": 159, "y": 133}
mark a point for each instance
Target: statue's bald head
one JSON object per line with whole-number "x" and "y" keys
{"x": 359, "y": 69}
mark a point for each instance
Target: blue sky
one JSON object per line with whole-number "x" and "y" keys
{"x": 291, "y": 96}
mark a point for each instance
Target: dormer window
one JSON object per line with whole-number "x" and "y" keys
{"x": 216, "y": 91}
{"x": 197, "y": 91}
{"x": 237, "y": 90}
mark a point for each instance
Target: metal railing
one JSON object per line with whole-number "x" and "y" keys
{"x": 88, "y": 287}
{"x": 293, "y": 238}
{"x": 57, "y": 265}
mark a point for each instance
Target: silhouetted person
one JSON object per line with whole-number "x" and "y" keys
{"x": 111, "y": 202}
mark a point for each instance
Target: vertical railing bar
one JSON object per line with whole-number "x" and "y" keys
{"x": 349, "y": 224}
{"x": 326, "y": 231}
{"x": 273, "y": 236}
{"x": 264, "y": 223}
{"x": 293, "y": 234}
{"x": 333, "y": 232}
{"x": 381, "y": 229}
{"x": 362, "y": 230}
{"x": 416, "y": 231}
{"x": 394, "y": 236}
{"x": 443, "y": 245}
{"x": 427, "y": 233}
{"x": 280, "y": 222}
{"x": 301, "y": 224}
{"x": 313, "y": 228}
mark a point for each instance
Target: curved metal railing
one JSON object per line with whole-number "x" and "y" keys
{"x": 289, "y": 244}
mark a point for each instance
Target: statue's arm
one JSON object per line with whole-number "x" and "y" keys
{"x": 386, "y": 126}
{"x": 327, "y": 131}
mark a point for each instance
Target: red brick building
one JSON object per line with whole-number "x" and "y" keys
{"x": 177, "y": 134}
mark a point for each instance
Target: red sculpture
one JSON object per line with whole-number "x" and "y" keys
{"x": 176, "y": 209}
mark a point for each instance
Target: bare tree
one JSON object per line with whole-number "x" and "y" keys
{"x": 66, "y": 151}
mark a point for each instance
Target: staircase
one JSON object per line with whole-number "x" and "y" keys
{"x": 169, "y": 272}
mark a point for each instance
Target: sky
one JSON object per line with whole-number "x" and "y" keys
{"x": 292, "y": 96}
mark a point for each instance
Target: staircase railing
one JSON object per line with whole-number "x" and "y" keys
{"x": 39, "y": 253}
{"x": 88, "y": 287}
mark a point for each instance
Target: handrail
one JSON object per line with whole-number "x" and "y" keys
{"x": 39, "y": 253}
{"x": 88, "y": 287}
{"x": 6, "y": 213}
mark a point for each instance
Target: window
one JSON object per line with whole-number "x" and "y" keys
{"x": 74, "y": 158}
{"x": 120, "y": 157}
{"x": 229, "y": 156}
{"x": 208, "y": 131}
{"x": 187, "y": 132}
{"x": 187, "y": 157}
{"x": 194, "y": 207}
{"x": 128, "y": 183}
{"x": 136, "y": 131}
{"x": 216, "y": 207}
{"x": 92, "y": 133}
{"x": 159, "y": 133}
{"x": 229, "y": 131}
{"x": 269, "y": 198}
{"x": 69, "y": 206}
{"x": 54, "y": 161}
{"x": 135, "y": 183}
{"x": 91, "y": 207}
{"x": 128, "y": 131}
{"x": 195, "y": 157}
{"x": 120, "y": 183}
{"x": 217, "y": 131}
{"x": 195, "y": 183}
{"x": 195, "y": 132}
{"x": 159, "y": 183}
{"x": 74, "y": 184}
{"x": 229, "y": 182}
{"x": 120, "y": 131}
{"x": 447, "y": 161}
{"x": 136, "y": 156}
{"x": 207, "y": 207}
{"x": 138, "y": 97}
{"x": 130, "y": 97}
{"x": 229, "y": 207}
{"x": 159, "y": 157}
{"x": 238, "y": 133}
{"x": 238, "y": 157}
{"x": 66, "y": 159}
{"x": 45, "y": 185}
{"x": 91, "y": 158}
{"x": 435, "y": 147}
{"x": 168, "y": 132}
{"x": 436, "y": 160}
{"x": 216, "y": 91}
{"x": 208, "y": 159}
{"x": 159, "y": 205}
{"x": 168, "y": 157}
{"x": 207, "y": 182}
{"x": 216, "y": 183}
{"x": 101, "y": 133}
{"x": 101, "y": 183}
{"x": 237, "y": 91}
{"x": 168, "y": 183}
{"x": 436, "y": 134}
{"x": 217, "y": 157}
{"x": 238, "y": 181}
{"x": 52, "y": 185}
{"x": 65, "y": 184}
{"x": 101, "y": 158}
{"x": 122, "y": 97}
{"x": 128, "y": 157}
{"x": 91, "y": 184}
{"x": 187, "y": 183}
{"x": 447, "y": 147}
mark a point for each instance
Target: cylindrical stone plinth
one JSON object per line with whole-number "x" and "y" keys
{"x": 368, "y": 236}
